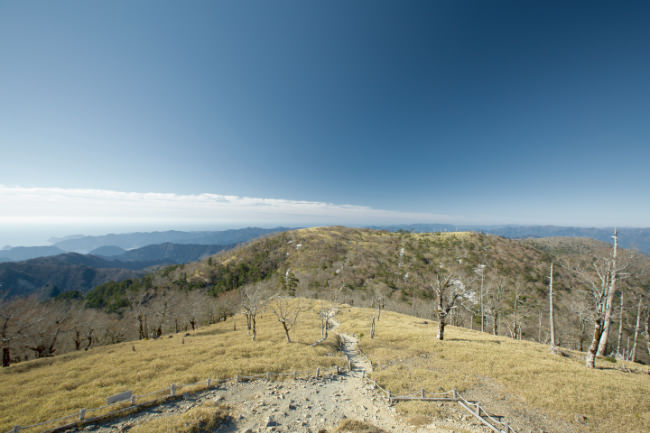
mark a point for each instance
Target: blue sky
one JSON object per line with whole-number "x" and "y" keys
{"x": 482, "y": 112}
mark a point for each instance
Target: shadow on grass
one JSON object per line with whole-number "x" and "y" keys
{"x": 210, "y": 332}
{"x": 466, "y": 340}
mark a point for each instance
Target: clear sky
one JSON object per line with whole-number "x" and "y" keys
{"x": 486, "y": 112}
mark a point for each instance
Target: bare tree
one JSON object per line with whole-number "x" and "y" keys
{"x": 615, "y": 274}
{"x": 251, "y": 303}
{"x": 286, "y": 311}
{"x": 17, "y": 316}
{"x": 597, "y": 280}
{"x": 620, "y": 330}
{"x": 493, "y": 300}
{"x": 481, "y": 270}
{"x": 551, "y": 318}
{"x": 636, "y": 329}
{"x": 448, "y": 290}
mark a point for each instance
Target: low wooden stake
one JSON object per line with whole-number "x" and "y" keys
{"x": 82, "y": 414}
{"x": 172, "y": 390}
{"x": 317, "y": 372}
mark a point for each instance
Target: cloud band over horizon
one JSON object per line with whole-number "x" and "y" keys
{"x": 68, "y": 206}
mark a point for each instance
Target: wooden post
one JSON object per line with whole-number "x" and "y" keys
{"x": 422, "y": 392}
{"x": 317, "y": 372}
{"x": 478, "y": 409}
{"x": 455, "y": 394}
{"x": 82, "y": 414}
{"x": 363, "y": 373}
{"x": 172, "y": 390}
{"x": 390, "y": 398}
{"x": 237, "y": 379}
{"x": 207, "y": 384}
{"x": 337, "y": 370}
{"x": 268, "y": 375}
{"x": 133, "y": 400}
{"x": 294, "y": 374}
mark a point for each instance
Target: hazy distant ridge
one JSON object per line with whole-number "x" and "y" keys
{"x": 129, "y": 241}
{"x": 638, "y": 238}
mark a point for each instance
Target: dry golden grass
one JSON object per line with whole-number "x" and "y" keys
{"x": 406, "y": 357}
{"x": 39, "y": 390}
{"x": 207, "y": 417}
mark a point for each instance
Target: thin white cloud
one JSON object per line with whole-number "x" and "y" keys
{"x": 21, "y": 205}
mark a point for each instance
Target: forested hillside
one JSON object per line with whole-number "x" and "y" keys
{"x": 508, "y": 280}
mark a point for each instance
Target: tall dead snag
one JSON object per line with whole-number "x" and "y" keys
{"x": 636, "y": 329}
{"x": 647, "y": 332}
{"x": 550, "y": 308}
{"x": 250, "y": 303}
{"x": 609, "y": 304}
{"x": 448, "y": 290}
{"x": 286, "y": 311}
{"x": 620, "y": 330}
{"x": 597, "y": 279}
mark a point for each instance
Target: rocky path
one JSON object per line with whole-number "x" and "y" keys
{"x": 300, "y": 406}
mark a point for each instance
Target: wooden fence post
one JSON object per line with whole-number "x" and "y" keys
{"x": 455, "y": 394}
{"x": 317, "y": 372}
{"x": 337, "y": 370}
{"x": 268, "y": 375}
{"x": 294, "y": 374}
{"x": 172, "y": 390}
{"x": 82, "y": 414}
{"x": 422, "y": 393}
{"x": 207, "y": 384}
{"x": 390, "y": 398}
{"x": 237, "y": 379}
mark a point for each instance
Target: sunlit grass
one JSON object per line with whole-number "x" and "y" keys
{"x": 407, "y": 357}
{"x": 44, "y": 389}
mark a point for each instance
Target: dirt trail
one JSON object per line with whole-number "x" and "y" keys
{"x": 300, "y": 406}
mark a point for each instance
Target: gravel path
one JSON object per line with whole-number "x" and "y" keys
{"x": 300, "y": 406}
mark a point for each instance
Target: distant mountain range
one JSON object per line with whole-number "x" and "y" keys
{"x": 633, "y": 238}
{"x": 51, "y": 275}
{"x": 113, "y": 245}
{"x": 128, "y": 241}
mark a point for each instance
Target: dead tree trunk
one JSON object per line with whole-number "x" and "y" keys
{"x": 286, "y": 331}
{"x": 602, "y": 346}
{"x": 6, "y": 358}
{"x": 620, "y": 328}
{"x": 593, "y": 348}
{"x": 550, "y": 308}
{"x": 647, "y": 332}
{"x": 636, "y": 329}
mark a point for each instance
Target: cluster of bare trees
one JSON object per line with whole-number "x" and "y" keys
{"x": 501, "y": 300}
{"x": 33, "y": 328}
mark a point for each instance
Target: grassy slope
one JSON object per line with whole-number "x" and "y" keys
{"x": 404, "y": 352}
{"x": 407, "y": 357}
{"x": 43, "y": 389}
